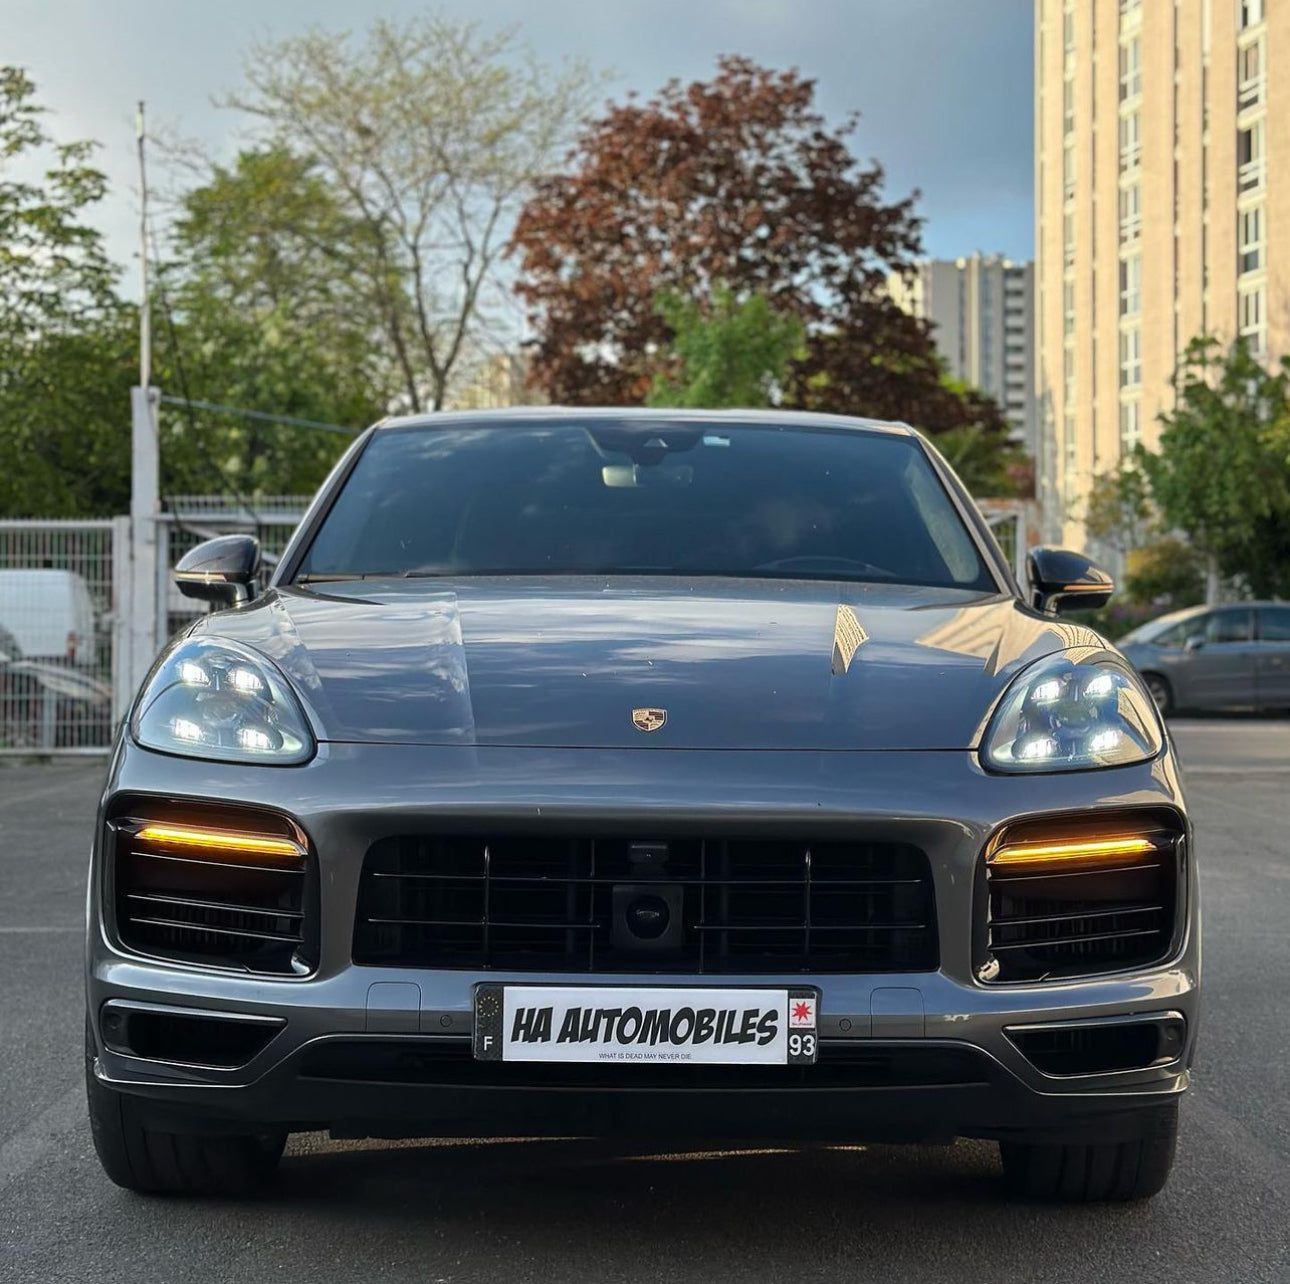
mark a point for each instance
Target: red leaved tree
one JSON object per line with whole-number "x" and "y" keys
{"x": 736, "y": 184}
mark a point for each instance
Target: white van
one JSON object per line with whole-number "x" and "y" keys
{"x": 49, "y": 613}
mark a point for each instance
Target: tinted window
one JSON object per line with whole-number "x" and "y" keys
{"x": 1274, "y": 623}
{"x": 1228, "y": 626}
{"x": 614, "y": 497}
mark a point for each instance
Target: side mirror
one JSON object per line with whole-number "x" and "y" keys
{"x": 1195, "y": 642}
{"x": 1064, "y": 581}
{"x": 221, "y": 570}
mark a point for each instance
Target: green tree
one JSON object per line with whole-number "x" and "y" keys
{"x": 65, "y": 338}
{"x": 1222, "y": 473}
{"x": 988, "y": 464}
{"x": 258, "y": 308}
{"x": 429, "y": 134}
{"x": 54, "y": 271}
{"x": 1166, "y": 573}
{"x": 1119, "y": 511}
{"x": 734, "y": 352}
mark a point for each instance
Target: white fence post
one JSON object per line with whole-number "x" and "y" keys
{"x": 122, "y": 603}
{"x": 144, "y": 506}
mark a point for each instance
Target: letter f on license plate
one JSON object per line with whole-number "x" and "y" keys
{"x": 646, "y": 1024}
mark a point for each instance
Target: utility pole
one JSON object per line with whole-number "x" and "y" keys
{"x": 144, "y": 631}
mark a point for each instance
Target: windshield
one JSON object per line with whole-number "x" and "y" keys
{"x": 630, "y": 497}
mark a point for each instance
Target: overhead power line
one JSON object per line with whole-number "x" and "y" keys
{"x": 189, "y": 404}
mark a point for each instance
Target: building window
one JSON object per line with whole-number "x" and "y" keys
{"x": 1068, "y": 170}
{"x": 1249, "y": 76}
{"x": 1130, "y": 69}
{"x": 1251, "y": 314}
{"x": 1250, "y": 232}
{"x": 1131, "y": 285}
{"x": 1069, "y": 454}
{"x": 1068, "y": 376}
{"x": 1068, "y": 307}
{"x": 1130, "y": 425}
{"x": 1130, "y": 8}
{"x": 1068, "y": 240}
{"x": 1250, "y": 158}
{"x": 1130, "y": 213}
{"x": 1249, "y": 13}
{"x": 1068, "y": 106}
{"x": 1068, "y": 28}
{"x": 1130, "y": 141}
{"x": 1130, "y": 358}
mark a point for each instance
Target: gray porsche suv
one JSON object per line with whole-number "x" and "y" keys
{"x": 686, "y": 775}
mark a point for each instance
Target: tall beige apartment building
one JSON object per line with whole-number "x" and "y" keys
{"x": 1162, "y": 177}
{"x": 983, "y": 313}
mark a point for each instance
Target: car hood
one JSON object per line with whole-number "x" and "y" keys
{"x": 567, "y": 662}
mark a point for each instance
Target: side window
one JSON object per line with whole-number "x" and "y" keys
{"x": 1228, "y": 626}
{"x": 1274, "y": 624}
{"x": 1177, "y": 635}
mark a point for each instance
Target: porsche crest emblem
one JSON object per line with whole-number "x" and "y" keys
{"x": 648, "y": 719}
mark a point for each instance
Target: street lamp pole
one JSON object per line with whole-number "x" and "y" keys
{"x": 143, "y": 635}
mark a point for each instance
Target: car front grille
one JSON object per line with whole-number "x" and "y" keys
{"x": 1057, "y": 922}
{"x": 550, "y": 902}
{"x": 194, "y": 906}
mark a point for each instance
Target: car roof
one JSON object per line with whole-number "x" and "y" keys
{"x": 1191, "y": 612}
{"x": 516, "y": 415}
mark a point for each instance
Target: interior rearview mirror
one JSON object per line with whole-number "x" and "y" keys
{"x": 1062, "y": 580}
{"x": 222, "y": 570}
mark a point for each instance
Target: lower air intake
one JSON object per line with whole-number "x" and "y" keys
{"x": 204, "y": 905}
{"x": 1070, "y": 919}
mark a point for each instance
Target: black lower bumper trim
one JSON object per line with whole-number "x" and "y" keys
{"x": 431, "y": 1087}
{"x": 451, "y": 1063}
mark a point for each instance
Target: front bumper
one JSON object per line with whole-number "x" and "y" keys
{"x": 903, "y": 1056}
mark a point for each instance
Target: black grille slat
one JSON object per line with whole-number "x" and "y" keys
{"x": 213, "y": 929}
{"x": 1068, "y": 922}
{"x": 1088, "y": 914}
{"x": 546, "y": 902}
{"x": 817, "y": 927}
{"x": 1082, "y": 939}
{"x": 154, "y": 899}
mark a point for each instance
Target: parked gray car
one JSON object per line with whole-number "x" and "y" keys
{"x": 1215, "y": 657}
{"x": 687, "y": 775}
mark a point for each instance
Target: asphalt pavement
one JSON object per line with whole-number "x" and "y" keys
{"x": 560, "y": 1210}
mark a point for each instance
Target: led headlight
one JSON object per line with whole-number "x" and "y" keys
{"x": 220, "y": 700}
{"x": 1069, "y": 711}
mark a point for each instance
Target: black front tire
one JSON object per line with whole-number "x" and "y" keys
{"x": 1099, "y": 1172}
{"x": 149, "y": 1162}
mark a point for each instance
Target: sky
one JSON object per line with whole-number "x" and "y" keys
{"x": 943, "y": 86}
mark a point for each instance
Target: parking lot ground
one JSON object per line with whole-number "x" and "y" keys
{"x": 569, "y": 1210}
{"x": 1233, "y": 746}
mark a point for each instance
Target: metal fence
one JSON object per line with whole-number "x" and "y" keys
{"x": 1015, "y": 524}
{"x": 65, "y": 592}
{"x": 60, "y": 606}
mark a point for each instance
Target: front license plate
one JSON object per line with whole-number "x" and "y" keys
{"x": 646, "y": 1024}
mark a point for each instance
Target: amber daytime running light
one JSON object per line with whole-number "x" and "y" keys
{"x": 214, "y": 841}
{"x": 1075, "y": 850}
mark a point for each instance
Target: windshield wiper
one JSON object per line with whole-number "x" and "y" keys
{"x": 338, "y": 577}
